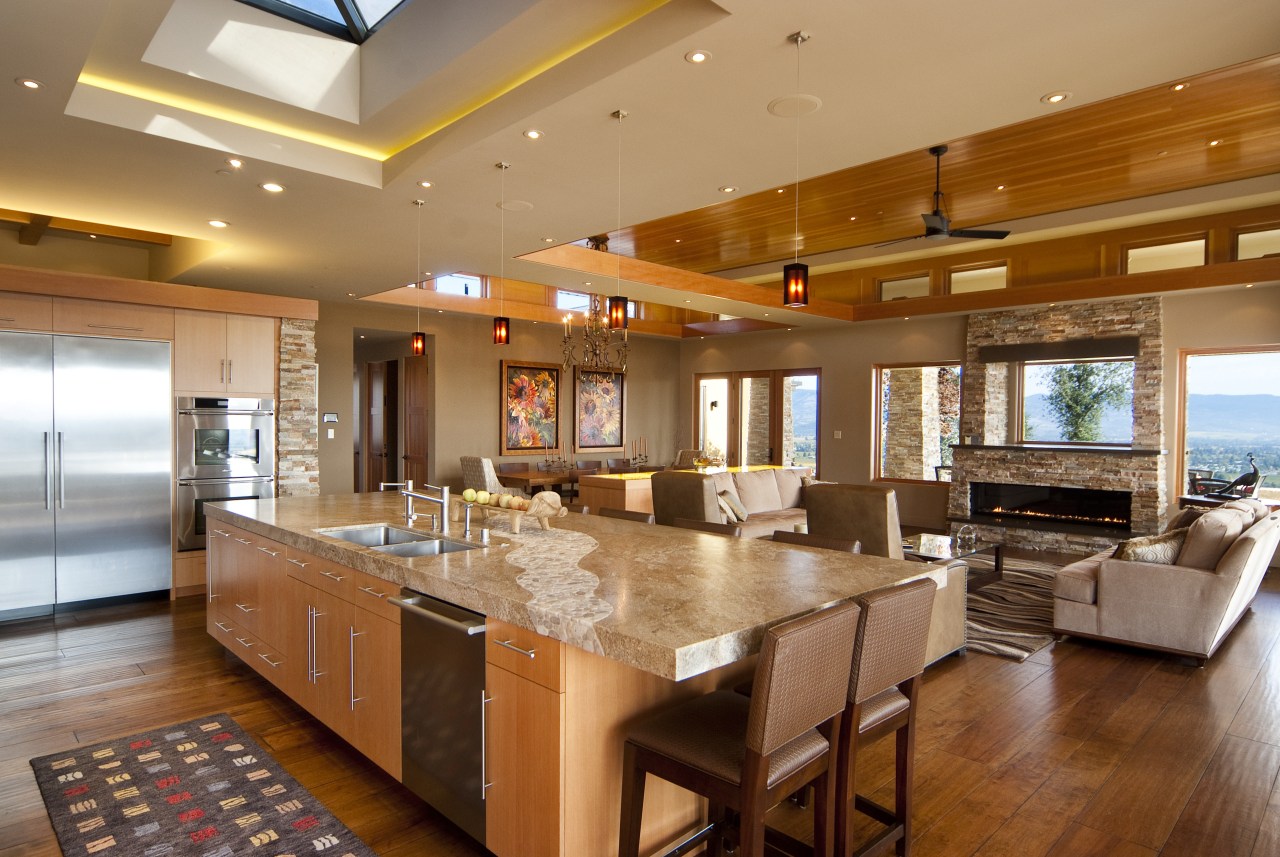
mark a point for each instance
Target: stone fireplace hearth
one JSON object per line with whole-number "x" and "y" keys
{"x": 992, "y": 456}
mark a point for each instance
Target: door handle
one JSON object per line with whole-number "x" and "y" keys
{"x": 351, "y": 660}
{"x": 48, "y": 474}
{"x": 62, "y": 477}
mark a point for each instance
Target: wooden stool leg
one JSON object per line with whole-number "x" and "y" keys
{"x": 905, "y": 765}
{"x": 633, "y": 778}
{"x": 843, "y": 787}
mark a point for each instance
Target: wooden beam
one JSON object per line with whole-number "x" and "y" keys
{"x": 34, "y": 230}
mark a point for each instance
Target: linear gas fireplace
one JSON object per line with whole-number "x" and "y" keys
{"x": 1048, "y": 507}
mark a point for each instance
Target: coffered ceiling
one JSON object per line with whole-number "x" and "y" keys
{"x": 144, "y": 101}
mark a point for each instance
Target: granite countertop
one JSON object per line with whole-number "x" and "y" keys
{"x": 670, "y": 601}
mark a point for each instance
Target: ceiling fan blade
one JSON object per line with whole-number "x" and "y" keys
{"x": 980, "y": 233}
{"x": 899, "y": 241}
{"x": 935, "y": 220}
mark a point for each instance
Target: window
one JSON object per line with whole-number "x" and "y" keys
{"x": 459, "y": 284}
{"x": 1255, "y": 245}
{"x": 905, "y": 287}
{"x": 353, "y": 20}
{"x": 1231, "y": 409}
{"x": 1164, "y": 257}
{"x": 979, "y": 279}
{"x": 574, "y": 301}
{"x": 765, "y": 417}
{"x": 1085, "y": 401}
{"x": 919, "y": 421}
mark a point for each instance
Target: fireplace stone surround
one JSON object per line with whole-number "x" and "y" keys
{"x": 990, "y": 455}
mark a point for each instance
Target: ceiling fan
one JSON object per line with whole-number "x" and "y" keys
{"x": 937, "y": 225}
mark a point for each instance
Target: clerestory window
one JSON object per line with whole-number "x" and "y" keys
{"x": 353, "y": 20}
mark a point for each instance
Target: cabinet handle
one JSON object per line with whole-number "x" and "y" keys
{"x": 244, "y": 609}
{"x": 268, "y": 660}
{"x": 316, "y": 672}
{"x": 223, "y": 628}
{"x": 8, "y": 318}
{"x": 243, "y": 541}
{"x": 507, "y": 644}
{"x": 311, "y": 645}
{"x": 222, "y": 533}
{"x": 222, "y": 371}
{"x": 485, "y": 699}
{"x": 298, "y": 563}
{"x": 62, "y": 477}
{"x": 333, "y": 576}
{"x": 48, "y": 474}
{"x": 242, "y": 641}
{"x": 115, "y": 327}
{"x": 369, "y": 590}
{"x": 351, "y": 660}
{"x": 269, "y": 552}
{"x": 230, "y": 372}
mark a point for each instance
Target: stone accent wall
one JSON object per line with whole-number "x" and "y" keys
{"x": 995, "y": 458}
{"x": 911, "y": 448}
{"x": 757, "y": 412}
{"x": 297, "y": 418}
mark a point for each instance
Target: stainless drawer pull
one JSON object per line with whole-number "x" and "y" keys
{"x": 115, "y": 327}
{"x": 507, "y": 644}
{"x": 299, "y": 563}
{"x": 8, "y": 318}
{"x": 244, "y": 609}
{"x": 268, "y": 660}
{"x": 270, "y": 552}
{"x": 222, "y": 533}
{"x": 242, "y": 641}
{"x": 244, "y": 541}
{"x": 223, "y": 628}
{"x": 369, "y": 590}
{"x": 485, "y": 785}
{"x": 333, "y": 576}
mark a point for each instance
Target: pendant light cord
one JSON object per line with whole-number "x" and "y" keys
{"x": 417, "y": 273}
{"x": 503, "y": 166}
{"x": 800, "y": 38}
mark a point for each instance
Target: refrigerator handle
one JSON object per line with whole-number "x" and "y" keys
{"x": 48, "y": 474}
{"x": 62, "y": 477}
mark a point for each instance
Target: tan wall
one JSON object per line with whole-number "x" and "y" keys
{"x": 464, "y": 368}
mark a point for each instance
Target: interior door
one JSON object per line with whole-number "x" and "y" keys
{"x": 414, "y": 419}
{"x": 375, "y": 426}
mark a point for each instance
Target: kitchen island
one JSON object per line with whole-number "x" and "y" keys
{"x": 624, "y": 618}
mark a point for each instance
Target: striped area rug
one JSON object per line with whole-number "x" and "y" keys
{"x": 1012, "y": 618}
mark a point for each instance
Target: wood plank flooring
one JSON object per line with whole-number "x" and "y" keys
{"x": 1084, "y": 749}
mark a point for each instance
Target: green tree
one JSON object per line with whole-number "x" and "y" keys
{"x": 1080, "y": 392}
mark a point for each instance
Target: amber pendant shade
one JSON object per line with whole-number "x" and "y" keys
{"x": 501, "y": 330}
{"x": 617, "y": 313}
{"x": 795, "y": 285}
{"x": 419, "y": 344}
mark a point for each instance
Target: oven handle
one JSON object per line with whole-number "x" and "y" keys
{"x": 190, "y": 412}
{"x": 241, "y": 480}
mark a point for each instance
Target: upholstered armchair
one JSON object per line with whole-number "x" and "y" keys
{"x": 684, "y": 494}
{"x": 867, "y": 513}
{"x": 686, "y": 458}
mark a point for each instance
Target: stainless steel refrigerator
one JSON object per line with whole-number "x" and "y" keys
{"x": 85, "y": 469}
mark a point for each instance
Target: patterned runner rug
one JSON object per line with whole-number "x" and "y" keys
{"x": 197, "y": 789}
{"x": 1012, "y": 618}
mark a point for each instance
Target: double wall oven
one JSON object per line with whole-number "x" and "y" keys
{"x": 225, "y": 451}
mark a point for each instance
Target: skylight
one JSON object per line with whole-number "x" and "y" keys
{"x": 353, "y": 20}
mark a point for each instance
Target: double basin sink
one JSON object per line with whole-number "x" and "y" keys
{"x": 398, "y": 540}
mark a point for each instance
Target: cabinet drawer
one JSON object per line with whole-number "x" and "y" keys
{"x": 323, "y": 574}
{"x": 371, "y": 593}
{"x": 525, "y": 653}
{"x": 107, "y": 318}
{"x": 25, "y": 312}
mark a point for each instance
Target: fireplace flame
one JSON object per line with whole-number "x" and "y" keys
{"x": 1000, "y": 510}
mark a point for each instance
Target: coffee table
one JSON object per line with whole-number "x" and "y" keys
{"x": 930, "y": 547}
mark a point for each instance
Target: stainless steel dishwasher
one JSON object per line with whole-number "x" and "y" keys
{"x": 442, "y": 707}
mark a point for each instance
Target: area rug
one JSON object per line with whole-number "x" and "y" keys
{"x": 197, "y": 789}
{"x": 1014, "y": 617}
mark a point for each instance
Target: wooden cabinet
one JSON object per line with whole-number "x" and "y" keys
{"x": 224, "y": 353}
{"x": 25, "y": 312}
{"x": 110, "y": 318}
{"x": 244, "y": 589}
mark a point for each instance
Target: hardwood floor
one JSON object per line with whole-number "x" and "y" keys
{"x": 1084, "y": 749}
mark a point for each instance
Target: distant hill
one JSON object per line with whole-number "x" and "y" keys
{"x": 805, "y": 410}
{"x": 1211, "y": 419}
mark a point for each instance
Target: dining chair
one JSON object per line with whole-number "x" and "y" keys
{"x": 511, "y": 467}
{"x": 617, "y": 462}
{"x": 810, "y": 540}
{"x": 626, "y": 515}
{"x": 865, "y": 513}
{"x": 594, "y": 466}
{"x": 708, "y": 527}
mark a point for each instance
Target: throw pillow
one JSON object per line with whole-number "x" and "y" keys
{"x": 806, "y": 481}
{"x": 1185, "y": 518}
{"x": 739, "y": 511}
{"x": 1161, "y": 550}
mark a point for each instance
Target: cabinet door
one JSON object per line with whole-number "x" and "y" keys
{"x": 220, "y": 571}
{"x": 25, "y": 312}
{"x": 251, "y": 355}
{"x": 199, "y": 351}
{"x": 524, "y": 745}
{"x": 245, "y": 600}
{"x": 330, "y": 661}
{"x": 374, "y": 688}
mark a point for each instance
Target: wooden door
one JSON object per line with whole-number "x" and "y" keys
{"x": 413, "y": 412}
{"x": 375, "y": 426}
{"x": 199, "y": 351}
{"x": 374, "y": 688}
{"x": 251, "y": 355}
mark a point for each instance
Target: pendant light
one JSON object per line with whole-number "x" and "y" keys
{"x": 795, "y": 276}
{"x": 618, "y": 303}
{"x": 418, "y": 345}
{"x": 502, "y": 324}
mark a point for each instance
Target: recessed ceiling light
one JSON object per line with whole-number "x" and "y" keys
{"x": 28, "y": 82}
{"x": 906, "y": 318}
{"x": 533, "y": 134}
{"x": 440, "y": 310}
{"x": 1055, "y": 97}
{"x": 1178, "y": 87}
{"x": 1161, "y": 153}
{"x": 728, "y": 189}
{"x": 782, "y": 190}
{"x": 696, "y": 57}
{"x": 548, "y": 240}
{"x": 586, "y": 282}
{"x": 999, "y": 187}
{"x": 91, "y": 235}
{"x": 678, "y": 240}
{"x": 1215, "y": 142}
{"x": 272, "y": 187}
{"x": 766, "y": 315}
{"x": 219, "y": 224}
{"x": 688, "y": 301}
{"x": 424, "y": 184}
{"x": 351, "y": 294}
{"x": 1248, "y": 285}
{"x": 855, "y": 217}
{"x": 235, "y": 163}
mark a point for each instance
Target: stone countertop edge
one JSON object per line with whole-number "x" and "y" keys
{"x": 660, "y": 644}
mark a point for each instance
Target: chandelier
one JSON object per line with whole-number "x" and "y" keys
{"x": 598, "y": 350}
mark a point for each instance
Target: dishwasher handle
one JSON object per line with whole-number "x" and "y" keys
{"x": 410, "y": 604}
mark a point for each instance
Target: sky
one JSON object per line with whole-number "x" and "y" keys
{"x": 1234, "y": 374}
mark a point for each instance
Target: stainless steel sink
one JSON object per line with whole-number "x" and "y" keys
{"x": 429, "y": 547}
{"x": 378, "y": 535}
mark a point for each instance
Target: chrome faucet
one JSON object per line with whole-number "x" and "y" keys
{"x": 441, "y": 499}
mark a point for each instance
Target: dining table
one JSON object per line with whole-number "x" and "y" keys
{"x": 528, "y": 480}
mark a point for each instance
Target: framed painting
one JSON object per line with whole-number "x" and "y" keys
{"x": 598, "y": 404}
{"x": 530, "y": 408}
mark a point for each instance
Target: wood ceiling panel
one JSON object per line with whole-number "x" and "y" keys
{"x": 1149, "y": 142}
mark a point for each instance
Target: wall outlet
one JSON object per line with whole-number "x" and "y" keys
{"x": 837, "y": 434}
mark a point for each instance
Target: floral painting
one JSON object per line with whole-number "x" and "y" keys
{"x": 530, "y": 408}
{"x": 598, "y": 410}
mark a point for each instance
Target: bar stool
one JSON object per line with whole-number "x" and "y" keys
{"x": 746, "y": 754}
{"x": 888, "y": 661}
{"x": 810, "y": 540}
{"x": 626, "y": 515}
{"x": 708, "y": 527}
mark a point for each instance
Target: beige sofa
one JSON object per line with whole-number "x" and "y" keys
{"x": 772, "y": 499}
{"x": 1186, "y": 607}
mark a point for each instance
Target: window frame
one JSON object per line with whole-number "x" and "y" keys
{"x": 877, "y": 393}
{"x": 1018, "y": 399}
{"x": 1128, "y": 246}
{"x": 777, "y": 377}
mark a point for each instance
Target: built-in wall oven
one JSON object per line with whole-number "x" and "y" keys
{"x": 225, "y": 451}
